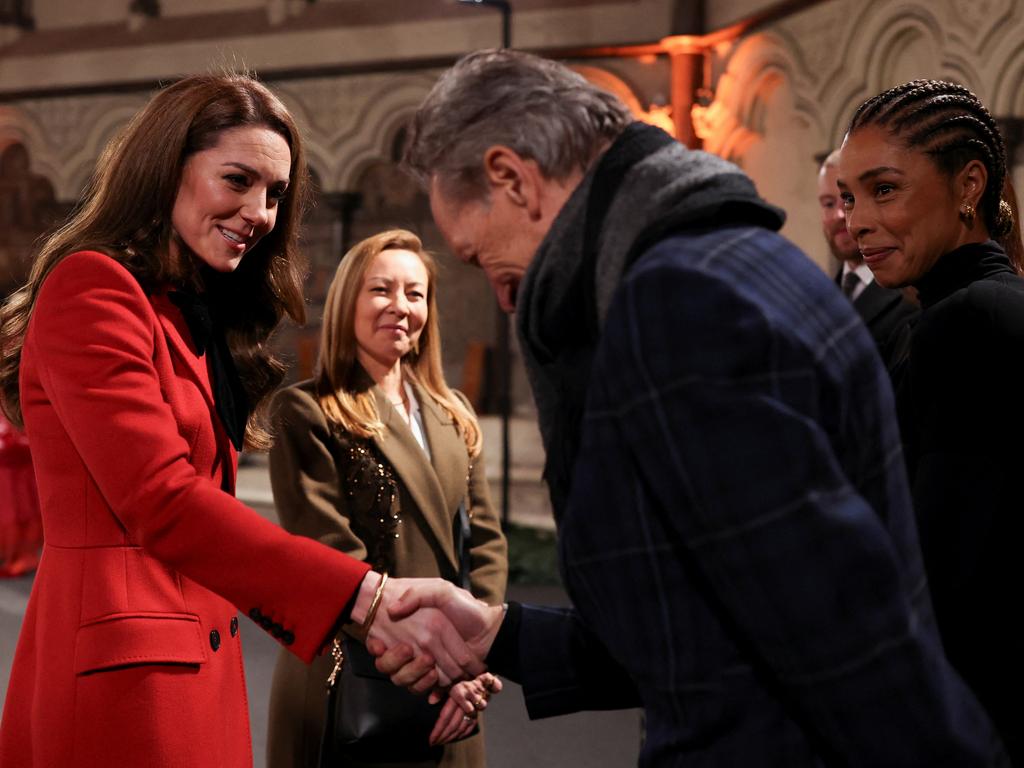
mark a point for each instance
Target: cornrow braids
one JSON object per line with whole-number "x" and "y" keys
{"x": 948, "y": 122}
{"x": 868, "y": 112}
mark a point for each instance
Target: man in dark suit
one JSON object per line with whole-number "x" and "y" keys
{"x": 734, "y": 523}
{"x": 886, "y": 312}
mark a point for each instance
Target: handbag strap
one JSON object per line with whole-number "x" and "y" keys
{"x": 464, "y": 535}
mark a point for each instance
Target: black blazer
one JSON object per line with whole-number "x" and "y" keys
{"x": 889, "y": 319}
{"x": 960, "y": 406}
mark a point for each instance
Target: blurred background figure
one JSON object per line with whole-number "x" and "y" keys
{"x": 924, "y": 182}
{"x": 21, "y": 527}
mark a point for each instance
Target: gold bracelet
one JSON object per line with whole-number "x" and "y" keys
{"x": 362, "y": 630}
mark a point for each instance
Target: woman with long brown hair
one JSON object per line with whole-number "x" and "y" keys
{"x": 378, "y": 457}
{"x": 136, "y": 358}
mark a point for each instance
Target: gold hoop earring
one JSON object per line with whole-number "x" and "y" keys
{"x": 967, "y": 213}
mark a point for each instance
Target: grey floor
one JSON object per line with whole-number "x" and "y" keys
{"x": 596, "y": 739}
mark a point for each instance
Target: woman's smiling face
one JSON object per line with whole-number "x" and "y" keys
{"x": 902, "y": 210}
{"x": 229, "y": 194}
{"x": 391, "y": 308}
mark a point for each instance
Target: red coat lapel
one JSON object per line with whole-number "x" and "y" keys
{"x": 179, "y": 342}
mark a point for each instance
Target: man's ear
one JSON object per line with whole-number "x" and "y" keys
{"x": 508, "y": 173}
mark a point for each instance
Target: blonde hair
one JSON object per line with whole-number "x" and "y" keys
{"x": 343, "y": 402}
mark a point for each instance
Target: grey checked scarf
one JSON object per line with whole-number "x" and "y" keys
{"x": 644, "y": 188}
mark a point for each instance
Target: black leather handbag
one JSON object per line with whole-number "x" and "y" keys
{"x": 371, "y": 720}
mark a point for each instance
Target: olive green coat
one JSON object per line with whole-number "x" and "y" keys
{"x": 308, "y": 466}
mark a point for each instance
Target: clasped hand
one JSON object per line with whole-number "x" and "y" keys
{"x": 427, "y": 633}
{"x": 466, "y": 700}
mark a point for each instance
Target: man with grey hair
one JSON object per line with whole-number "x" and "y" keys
{"x": 734, "y": 523}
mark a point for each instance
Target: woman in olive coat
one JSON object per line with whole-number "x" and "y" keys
{"x": 374, "y": 456}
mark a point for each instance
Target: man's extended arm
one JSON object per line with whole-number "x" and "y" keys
{"x": 560, "y": 663}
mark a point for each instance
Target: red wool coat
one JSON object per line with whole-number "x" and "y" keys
{"x": 129, "y": 653}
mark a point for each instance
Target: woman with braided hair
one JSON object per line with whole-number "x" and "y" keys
{"x": 923, "y": 178}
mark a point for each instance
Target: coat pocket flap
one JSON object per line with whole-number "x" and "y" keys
{"x": 127, "y": 639}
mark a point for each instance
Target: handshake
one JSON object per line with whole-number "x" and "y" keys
{"x": 427, "y": 634}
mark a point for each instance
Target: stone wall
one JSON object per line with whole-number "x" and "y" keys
{"x": 353, "y": 72}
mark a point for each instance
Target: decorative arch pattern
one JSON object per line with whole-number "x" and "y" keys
{"x": 653, "y": 114}
{"x": 349, "y": 122}
{"x": 826, "y": 59}
{"x": 754, "y": 68}
{"x": 65, "y": 136}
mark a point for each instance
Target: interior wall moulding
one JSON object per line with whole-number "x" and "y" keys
{"x": 835, "y": 56}
{"x": 660, "y": 115}
{"x": 692, "y": 86}
{"x": 348, "y": 122}
{"x": 65, "y": 136}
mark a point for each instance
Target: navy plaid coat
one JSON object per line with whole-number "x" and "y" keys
{"x": 738, "y": 539}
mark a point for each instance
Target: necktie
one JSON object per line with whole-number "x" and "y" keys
{"x": 850, "y": 282}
